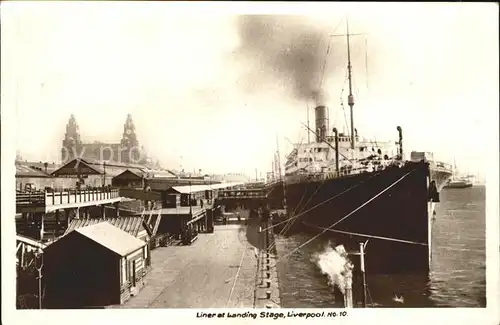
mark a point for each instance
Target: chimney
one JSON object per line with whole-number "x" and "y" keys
{"x": 321, "y": 123}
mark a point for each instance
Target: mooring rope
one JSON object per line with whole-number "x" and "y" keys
{"x": 285, "y": 228}
{"x": 292, "y": 221}
{"x": 367, "y": 236}
{"x": 302, "y": 213}
{"x": 324, "y": 202}
{"x": 348, "y": 215}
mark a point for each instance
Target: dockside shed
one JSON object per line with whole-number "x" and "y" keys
{"x": 93, "y": 266}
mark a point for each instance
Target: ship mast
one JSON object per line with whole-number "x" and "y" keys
{"x": 350, "y": 98}
{"x": 278, "y": 157}
{"x": 281, "y": 180}
{"x": 308, "y": 133}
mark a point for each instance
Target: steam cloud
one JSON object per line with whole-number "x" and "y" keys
{"x": 334, "y": 264}
{"x": 287, "y": 49}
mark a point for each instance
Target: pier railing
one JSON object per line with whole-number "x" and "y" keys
{"x": 441, "y": 166}
{"x": 35, "y": 199}
{"x": 376, "y": 165}
{"x": 79, "y": 196}
{"x": 64, "y": 197}
{"x": 241, "y": 194}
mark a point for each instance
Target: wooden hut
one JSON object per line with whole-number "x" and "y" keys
{"x": 136, "y": 226}
{"x": 93, "y": 266}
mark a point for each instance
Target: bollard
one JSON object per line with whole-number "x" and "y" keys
{"x": 267, "y": 255}
{"x": 268, "y": 261}
{"x": 268, "y": 267}
{"x": 269, "y": 306}
{"x": 268, "y": 275}
{"x": 268, "y": 294}
{"x": 259, "y": 263}
{"x": 268, "y": 283}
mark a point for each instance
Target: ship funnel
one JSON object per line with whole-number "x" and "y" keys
{"x": 321, "y": 123}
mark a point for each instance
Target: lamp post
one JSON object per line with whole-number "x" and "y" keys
{"x": 39, "y": 266}
{"x": 362, "y": 266}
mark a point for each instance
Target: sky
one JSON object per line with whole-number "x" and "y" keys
{"x": 215, "y": 91}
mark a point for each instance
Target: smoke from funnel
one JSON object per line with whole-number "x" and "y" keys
{"x": 288, "y": 50}
{"x": 319, "y": 97}
{"x": 335, "y": 264}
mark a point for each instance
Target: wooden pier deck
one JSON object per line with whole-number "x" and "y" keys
{"x": 51, "y": 201}
{"x": 216, "y": 271}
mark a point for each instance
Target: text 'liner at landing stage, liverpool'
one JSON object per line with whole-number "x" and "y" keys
{"x": 362, "y": 190}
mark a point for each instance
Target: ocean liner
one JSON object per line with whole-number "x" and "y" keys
{"x": 358, "y": 190}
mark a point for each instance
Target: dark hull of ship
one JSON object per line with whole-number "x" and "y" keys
{"x": 401, "y": 213}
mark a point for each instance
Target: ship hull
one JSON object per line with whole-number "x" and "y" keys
{"x": 441, "y": 176}
{"x": 390, "y": 208}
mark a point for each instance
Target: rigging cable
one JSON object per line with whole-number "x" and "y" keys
{"x": 293, "y": 213}
{"x": 327, "y": 52}
{"x": 369, "y": 295}
{"x": 368, "y": 236}
{"x": 324, "y": 64}
{"x": 326, "y": 56}
{"x": 293, "y": 218}
{"x": 324, "y": 202}
{"x": 366, "y": 62}
{"x": 291, "y": 221}
{"x": 349, "y": 214}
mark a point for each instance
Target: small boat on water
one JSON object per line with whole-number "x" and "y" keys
{"x": 459, "y": 181}
{"x": 462, "y": 182}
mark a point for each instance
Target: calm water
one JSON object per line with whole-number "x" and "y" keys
{"x": 458, "y": 272}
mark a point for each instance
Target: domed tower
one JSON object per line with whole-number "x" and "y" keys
{"x": 131, "y": 152}
{"x": 72, "y": 144}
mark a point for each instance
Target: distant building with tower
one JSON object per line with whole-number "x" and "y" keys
{"x": 128, "y": 151}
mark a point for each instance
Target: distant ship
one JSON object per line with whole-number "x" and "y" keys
{"x": 459, "y": 181}
{"x": 464, "y": 182}
{"x": 359, "y": 190}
